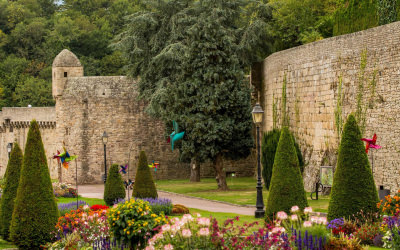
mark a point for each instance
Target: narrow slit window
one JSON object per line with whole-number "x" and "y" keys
{"x": 65, "y": 74}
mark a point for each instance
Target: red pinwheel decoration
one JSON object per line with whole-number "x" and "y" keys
{"x": 123, "y": 169}
{"x": 371, "y": 143}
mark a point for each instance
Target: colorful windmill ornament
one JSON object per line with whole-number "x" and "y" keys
{"x": 123, "y": 169}
{"x": 371, "y": 143}
{"x": 155, "y": 165}
{"x": 64, "y": 157}
{"x": 175, "y": 135}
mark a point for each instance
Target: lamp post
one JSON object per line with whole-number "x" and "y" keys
{"x": 104, "y": 137}
{"x": 9, "y": 148}
{"x": 257, "y": 119}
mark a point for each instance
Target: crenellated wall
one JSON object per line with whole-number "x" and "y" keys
{"x": 312, "y": 74}
{"x": 14, "y": 126}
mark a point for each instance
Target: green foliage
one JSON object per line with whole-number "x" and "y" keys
{"x": 133, "y": 222}
{"x": 387, "y": 11}
{"x": 354, "y": 15}
{"x": 269, "y": 145}
{"x": 284, "y": 115}
{"x": 286, "y": 188}
{"x": 353, "y": 184}
{"x": 10, "y": 190}
{"x": 114, "y": 188}
{"x": 274, "y": 112}
{"x": 338, "y": 109}
{"x": 35, "y": 211}
{"x": 144, "y": 185}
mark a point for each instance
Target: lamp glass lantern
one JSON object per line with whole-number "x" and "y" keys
{"x": 257, "y": 114}
{"x": 104, "y": 137}
{"x": 9, "y": 147}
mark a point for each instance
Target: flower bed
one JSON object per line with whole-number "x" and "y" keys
{"x": 64, "y": 190}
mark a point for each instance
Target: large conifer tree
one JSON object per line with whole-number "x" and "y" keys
{"x": 10, "y": 191}
{"x": 35, "y": 211}
{"x": 190, "y": 59}
{"x": 353, "y": 187}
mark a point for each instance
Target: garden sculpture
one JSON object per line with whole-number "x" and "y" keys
{"x": 371, "y": 143}
{"x": 175, "y": 135}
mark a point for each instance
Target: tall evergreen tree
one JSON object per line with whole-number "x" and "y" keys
{"x": 144, "y": 186}
{"x": 191, "y": 57}
{"x": 12, "y": 176}
{"x": 35, "y": 211}
{"x": 287, "y": 188}
{"x": 353, "y": 187}
{"x": 114, "y": 188}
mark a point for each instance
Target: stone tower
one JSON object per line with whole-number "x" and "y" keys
{"x": 66, "y": 64}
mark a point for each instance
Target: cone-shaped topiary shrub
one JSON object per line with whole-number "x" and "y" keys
{"x": 269, "y": 145}
{"x": 10, "y": 190}
{"x": 353, "y": 184}
{"x": 35, "y": 210}
{"x": 144, "y": 185}
{"x": 114, "y": 188}
{"x": 287, "y": 188}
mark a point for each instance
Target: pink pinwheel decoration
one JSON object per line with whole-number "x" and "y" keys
{"x": 371, "y": 143}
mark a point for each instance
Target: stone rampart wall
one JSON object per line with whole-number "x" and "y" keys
{"x": 312, "y": 74}
{"x": 14, "y": 126}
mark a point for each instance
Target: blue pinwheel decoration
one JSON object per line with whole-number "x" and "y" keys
{"x": 123, "y": 169}
{"x": 175, "y": 135}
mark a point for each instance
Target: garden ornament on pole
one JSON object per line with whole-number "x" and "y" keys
{"x": 104, "y": 137}
{"x": 257, "y": 119}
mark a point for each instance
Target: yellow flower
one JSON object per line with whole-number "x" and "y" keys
{"x": 128, "y": 232}
{"x": 119, "y": 212}
{"x": 153, "y": 215}
{"x": 114, "y": 219}
{"x": 145, "y": 224}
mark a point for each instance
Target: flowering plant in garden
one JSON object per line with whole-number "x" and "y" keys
{"x": 64, "y": 190}
{"x": 64, "y": 208}
{"x": 133, "y": 222}
{"x": 367, "y": 232}
{"x": 98, "y": 207}
{"x": 159, "y": 205}
{"x": 296, "y": 221}
{"x": 341, "y": 225}
{"x": 390, "y": 205}
{"x": 391, "y": 228}
{"x": 205, "y": 233}
{"x": 91, "y": 225}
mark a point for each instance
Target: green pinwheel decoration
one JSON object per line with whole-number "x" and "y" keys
{"x": 175, "y": 135}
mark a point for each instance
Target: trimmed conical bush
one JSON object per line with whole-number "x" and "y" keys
{"x": 353, "y": 187}
{"x": 114, "y": 188}
{"x": 35, "y": 211}
{"x": 287, "y": 188}
{"x": 144, "y": 185}
{"x": 12, "y": 176}
{"x": 269, "y": 145}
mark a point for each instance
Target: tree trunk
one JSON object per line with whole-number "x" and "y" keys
{"x": 194, "y": 171}
{"x": 220, "y": 173}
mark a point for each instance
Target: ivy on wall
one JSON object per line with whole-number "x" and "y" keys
{"x": 338, "y": 109}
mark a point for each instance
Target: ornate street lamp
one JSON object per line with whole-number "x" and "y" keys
{"x": 257, "y": 119}
{"x": 9, "y": 148}
{"x": 104, "y": 137}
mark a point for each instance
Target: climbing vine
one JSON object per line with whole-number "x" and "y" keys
{"x": 274, "y": 112}
{"x": 297, "y": 109}
{"x": 372, "y": 86}
{"x": 284, "y": 117}
{"x": 338, "y": 109}
{"x": 361, "y": 109}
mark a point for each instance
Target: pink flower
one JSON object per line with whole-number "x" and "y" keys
{"x": 294, "y": 209}
{"x": 203, "y": 221}
{"x": 322, "y": 220}
{"x": 204, "y": 231}
{"x": 307, "y": 224}
{"x": 165, "y": 228}
{"x": 175, "y": 228}
{"x": 281, "y": 215}
{"x": 314, "y": 219}
{"x": 150, "y": 248}
{"x": 278, "y": 230}
{"x": 197, "y": 215}
{"x": 294, "y": 217}
{"x": 186, "y": 233}
{"x": 307, "y": 210}
{"x": 168, "y": 247}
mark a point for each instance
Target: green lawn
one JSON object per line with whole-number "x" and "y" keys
{"x": 242, "y": 191}
{"x": 90, "y": 201}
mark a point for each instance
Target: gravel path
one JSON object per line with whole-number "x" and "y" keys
{"x": 96, "y": 191}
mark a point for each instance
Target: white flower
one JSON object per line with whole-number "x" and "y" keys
{"x": 307, "y": 224}
{"x": 294, "y": 217}
{"x": 281, "y": 215}
{"x": 307, "y": 210}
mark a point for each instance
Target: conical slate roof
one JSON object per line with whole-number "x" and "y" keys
{"x": 66, "y": 59}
